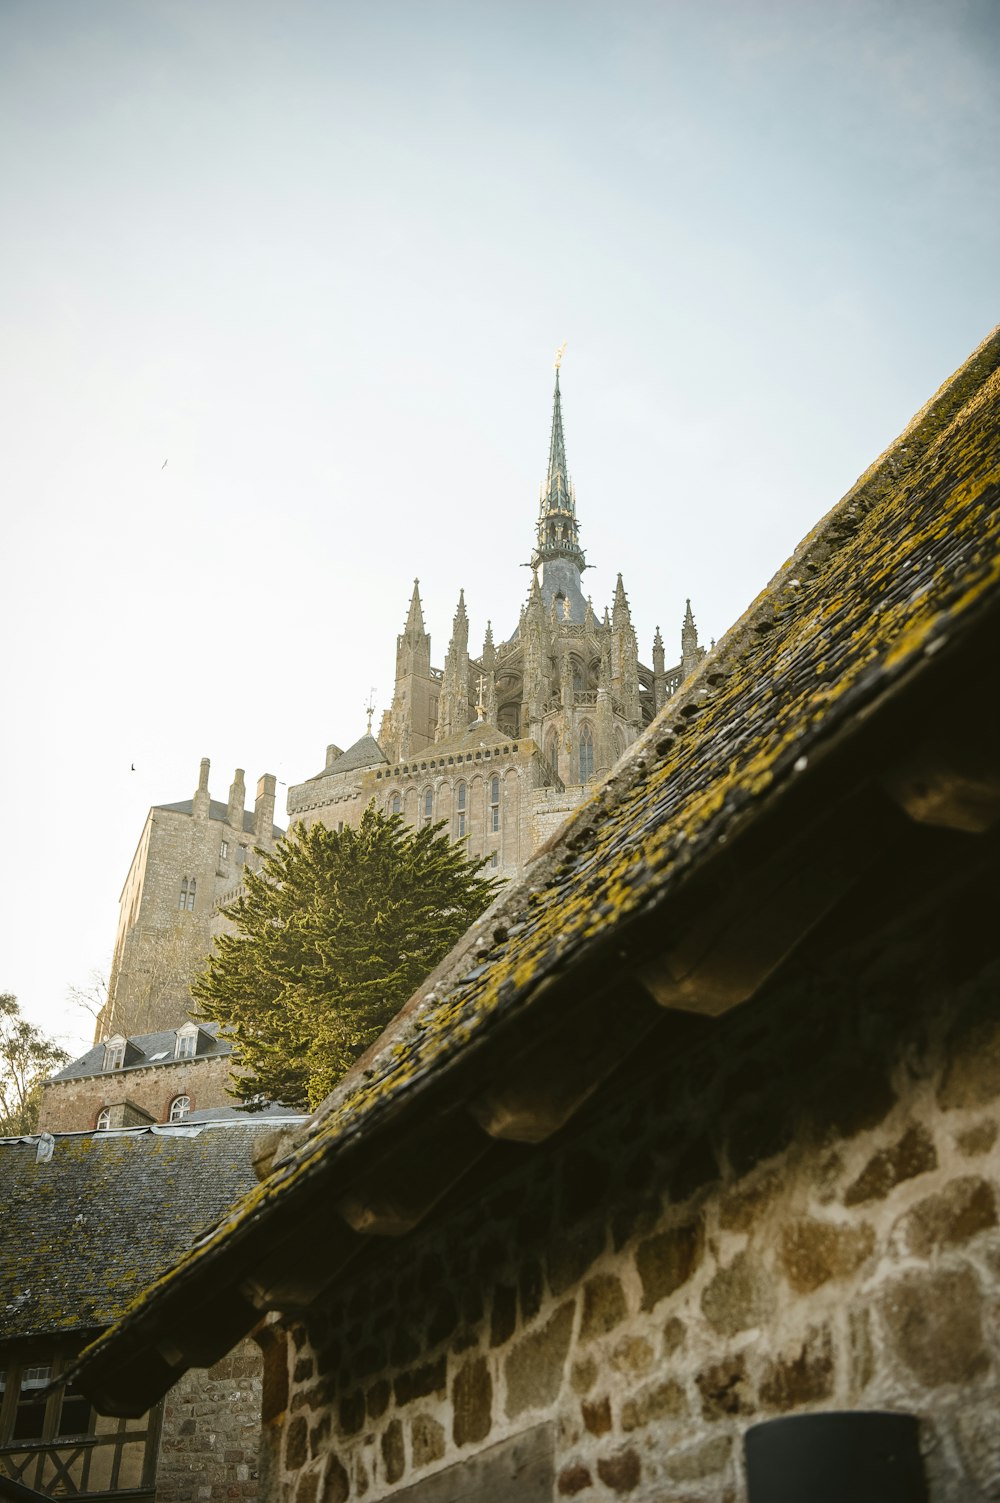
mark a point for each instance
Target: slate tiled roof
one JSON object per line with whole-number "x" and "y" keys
{"x": 365, "y": 752}
{"x": 880, "y": 597}
{"x": 86, "y": 1231}
{"x": 220, "y": 811}
{"x": 155, "y": 1049}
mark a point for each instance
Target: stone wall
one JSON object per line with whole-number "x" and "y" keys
{"x": 73, "y": 1105}
{"x": 798, "y": 1208}
{"x": 211, "y": 1432}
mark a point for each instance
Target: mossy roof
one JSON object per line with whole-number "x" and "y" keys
{"x": 904, "y": 564}
{"x": 86, "y": 1231}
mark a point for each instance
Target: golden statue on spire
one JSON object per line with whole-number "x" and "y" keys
{"x": 560, "y": 352}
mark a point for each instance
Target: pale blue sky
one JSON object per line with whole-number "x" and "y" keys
{"x": 318, "y": 256}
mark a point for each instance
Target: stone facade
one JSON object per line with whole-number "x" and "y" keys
{"x": 211, "y": 1432}
{"x": 74, "y": 1105}
{"x": 798, "y": 1210}
{"x": 189, "y": 855}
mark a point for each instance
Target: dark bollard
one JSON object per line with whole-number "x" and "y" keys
{"x": 835, "y": 1458}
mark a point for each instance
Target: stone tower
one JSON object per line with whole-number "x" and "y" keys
{"x": 190, "y": 857}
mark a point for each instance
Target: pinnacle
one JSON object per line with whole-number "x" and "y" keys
{"x": 415, "y": 615}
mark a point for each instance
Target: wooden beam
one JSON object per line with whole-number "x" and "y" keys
{"x": 949, "y": 782}
{"x": 546, "y": 1083}
{"x": 397, "y": 1192}
{"x": 296, "y": 1272}
{"x": 727, "y": 947}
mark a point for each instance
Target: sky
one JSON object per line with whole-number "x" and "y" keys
{"x": 281, "y": 284}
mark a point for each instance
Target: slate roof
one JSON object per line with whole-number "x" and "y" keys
{"x": 879, "y": 598}
{"x": 220, "y": 811}
{"x": 365, "y": 752}
{"x": 150, "y": 1045}
{"x": 86, "y": 1231}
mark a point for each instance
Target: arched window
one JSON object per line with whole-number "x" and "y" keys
{"x": 494, "y": 823}
{"x": 396, "y": 803}
{"x": 427, "y": 806}
{"x": 552, "y": 751}
{"x": 578, "y": 677}
{"x": 104, "y": 1119}
{"x": 179, "y": 1108}
{"x": 461, "y": 802}
{"x": 586, "y": 754}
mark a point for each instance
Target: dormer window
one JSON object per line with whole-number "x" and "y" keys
{"x": 114, "y": 1053}
{"x": 187, "y": 1039}
{"x": 179, "y": 1108}
{"x": 104, "y": 1119}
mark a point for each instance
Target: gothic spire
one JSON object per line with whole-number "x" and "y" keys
{"x": 558, "y": 534}
{"x": 415, "y": 617}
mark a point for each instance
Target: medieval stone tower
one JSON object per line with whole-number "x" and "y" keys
{"x": 503, "y": 744}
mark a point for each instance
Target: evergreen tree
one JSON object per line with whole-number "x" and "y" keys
{"x": 334, "y": 933}
{"x": 27, "y": 1058}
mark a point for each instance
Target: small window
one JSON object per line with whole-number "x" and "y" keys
{"x": 76, "y": 1417}
{"x": 104, "y": 1119}
{"x": 179, "y": 1108}
{"x": 191, "y": 888}
{"x": 29, "y": 1417}
{"x": 224, "y": 849}
{"x": 494, "y": 860}
{"x": 114, "y": 1054}
{"x": 461, "y": 801}
{"x": 396, "y": 803}
{"x": 187, "y": 1038}
{"x": 494, "y": 804}
{"x": 428, "y": 806}
{"x": 183, "y": 900}
{"x": 586, "y": 754}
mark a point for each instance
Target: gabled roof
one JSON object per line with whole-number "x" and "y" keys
{"x": 220, "y": 811}
{"x": 365, "y": 752}
{"x": 730, "y": 828}
{"x": 150, "y": 1049}
{"x": 86, "y": 1230}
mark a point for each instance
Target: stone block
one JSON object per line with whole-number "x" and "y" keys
{"x": 351, "y": 1413}
{"x": 814, "y": 1252}
{"x": 744, "y": 1204}
{"x": 934, "y": 1323}
{"x": 583, "y": 1374}
{"x": 570, "y": 1256}
{"x": 912, "y": 1154}
{"x": 530, "y": 1287}
{"x": 597, "y": 1415}
{"x": 674, "y": 1334}
{"x": 977, "y": 1139}
{"x": 860, "y": 1350}
{"x": 472, "y": 1402}
{"x": 667, "y": 1260}
{"x": 660, "y": 1401}
{"x": 393, "y": 1451}
{"x": 377, "y": 1398}
{"x": 604, "y": 1305}
{"x": 427, "y": 1440}
{"x": 702, "y": 1460}
{"x": 738, "y": 1297}
{"x": 296, "y": 1441}
{"x": 443, "y": 1321}
{"x": 632, "y": 1355}
{"x": 950, "y": 1218}
{"x": 307, "y": 1488}
{"x": 420, "y": 1382}
{"x": 805, "y": 1376}
{"x": 534, "y": 1367}
{"x": 336, "y": 1483}
{"x": 503, "y": 1317}
{"x": 573, "y": 1479}
{"x": 725, "y": 1388}
{"x": 636, "y": 1219}
{"x": 621, "y": 1471}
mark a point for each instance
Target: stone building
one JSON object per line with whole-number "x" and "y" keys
{"x": 89, "y": 1219}
{"x": 503, "y": 744}
{"x": 189, "y": 857}
{"x": 698, "y": 1124}
{"x": 168, "y": 1076}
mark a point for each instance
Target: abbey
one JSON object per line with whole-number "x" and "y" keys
{"x": 499, "y": 745}
{"x": 503, "y": 744}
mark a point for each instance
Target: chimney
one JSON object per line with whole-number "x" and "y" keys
{"x": 201, "y": 799}
{"x": 263, "y": 810}
{"x": 237, "y": 801}
{"x": 332, "y": 753}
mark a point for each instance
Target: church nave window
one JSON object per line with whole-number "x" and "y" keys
{"x": 494, "y": 823}
{"x": 586, "y": 754}
{"x": 461, "y": 799}
{"x": 428, "y": 806}
{"x": 396, "y": 804}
